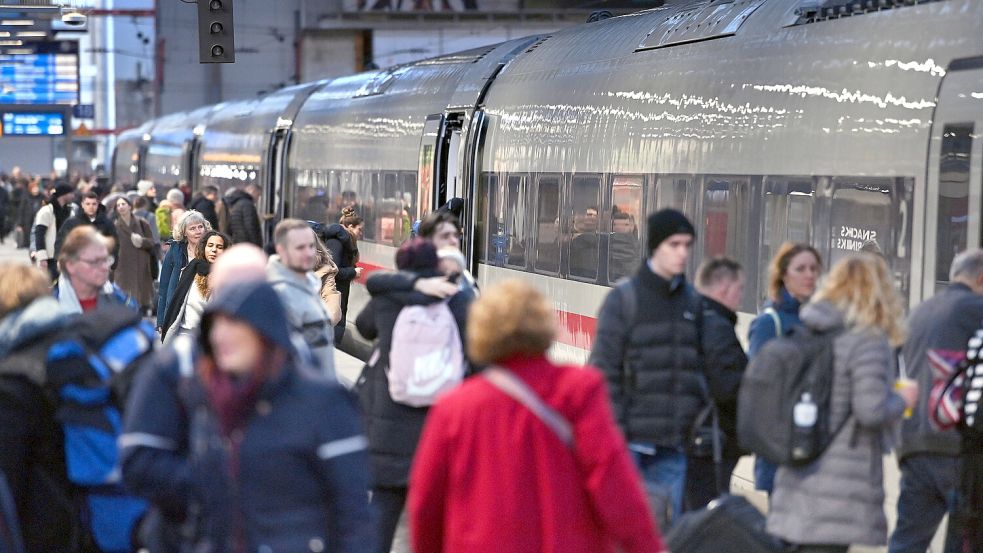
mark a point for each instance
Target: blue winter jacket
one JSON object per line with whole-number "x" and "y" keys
{"x": 763, "y": 326}
{"x": 170, "y": 273}
{"x": 302, "y": 471}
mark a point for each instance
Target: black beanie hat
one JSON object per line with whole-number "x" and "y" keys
{"x": 665, "y": 223}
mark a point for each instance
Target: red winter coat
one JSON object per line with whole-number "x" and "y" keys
{"x": 491, "y": 477}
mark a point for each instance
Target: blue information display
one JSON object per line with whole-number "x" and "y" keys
{"x": 47, "y": 75}
{"x": 33, "y": 124}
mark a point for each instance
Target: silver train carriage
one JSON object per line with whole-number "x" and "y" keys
{"x": 763, "y": 120}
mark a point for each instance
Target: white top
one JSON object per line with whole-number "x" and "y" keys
{"x": 193, "y": 307}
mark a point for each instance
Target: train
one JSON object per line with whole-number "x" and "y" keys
{"x": 842, "y": 123}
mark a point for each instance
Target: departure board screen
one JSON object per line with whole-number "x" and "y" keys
{"x": 32, "y": 124}
{"x": 41, "y": 73}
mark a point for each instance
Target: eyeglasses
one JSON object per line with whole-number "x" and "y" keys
{"x": 105, "y": 261}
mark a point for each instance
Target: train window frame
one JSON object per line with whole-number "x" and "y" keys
{"x": 566, "y": 231}
{"x": 640, "y": 221}
{"x": 488, "y": 191}
{"x": 537, "y": 226}
{"x": 522, "y": 212}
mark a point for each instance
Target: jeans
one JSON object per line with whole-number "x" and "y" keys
{"x": 929, "y": 487}
{"x": 389, "y": 503}
{"x": 764, "y": 475}
{"x": 664, "y": 467}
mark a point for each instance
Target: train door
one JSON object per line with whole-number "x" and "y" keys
{"x": 274, "y": 194}
{"x": 955, "y": 178}
{"x": 439, "y": 176}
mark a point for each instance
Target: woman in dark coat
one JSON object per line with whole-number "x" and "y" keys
{"x": 341, "y": 239}
{"x": 134, "y": 274}
{"x": 393, "y": 428}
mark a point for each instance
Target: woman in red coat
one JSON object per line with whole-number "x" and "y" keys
{"x": 490, "y": 476}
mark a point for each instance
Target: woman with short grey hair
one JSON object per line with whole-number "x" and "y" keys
{"x": 186, "y": 234}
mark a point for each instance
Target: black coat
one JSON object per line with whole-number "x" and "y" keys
{"x": 393, "y": 428}
{"x": 725, "y": 362}
{"x": 243, "y": 218}
{"x": 652, "y": 366}
{"x": 32, "y": 454}
{"x": 206, "y": 207}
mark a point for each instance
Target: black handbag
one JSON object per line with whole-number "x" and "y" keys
{"x": 706, "y": 440}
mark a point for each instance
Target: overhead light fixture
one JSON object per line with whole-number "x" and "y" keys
{"x": 11, "y": 42}
{"x": 19, "y": 51}
{"x": 4, "y": 34}
{"x": 29, "y": 34}
{"x": 17, "y": 22}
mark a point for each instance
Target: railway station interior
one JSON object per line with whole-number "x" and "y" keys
{"x": 561, "y": 147}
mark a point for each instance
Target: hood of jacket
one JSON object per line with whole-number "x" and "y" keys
{"x": 256, "y": 304}
{"x": 42, "y": 316}
{"x": 237, "y": 196}
{"x": 822, "y": 316}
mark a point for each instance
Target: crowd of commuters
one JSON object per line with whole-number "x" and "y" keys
{"x": 240, "y": 437}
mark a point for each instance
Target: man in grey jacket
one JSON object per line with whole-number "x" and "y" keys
{"x": 939, "y": 329}
{"x": 290, "y": 272}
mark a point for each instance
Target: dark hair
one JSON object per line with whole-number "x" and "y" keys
{"x": 140, "y": 202}
{"x": 430, "y": 223}
{"x": 781, "y": 261}
{"x": 350, "y": 218}
{"x": 619, "y": 215}
{"x": 200, "y": 250}
{"x": 209, "y": 189}
{"x": 416, "y": 255}
{"x": 717, "y": 269}
{"x": 90, "y": 196}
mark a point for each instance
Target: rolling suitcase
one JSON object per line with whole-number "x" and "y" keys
{"x": 729, "y": 524}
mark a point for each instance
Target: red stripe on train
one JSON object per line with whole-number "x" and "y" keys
{"x": 574, "y": 329}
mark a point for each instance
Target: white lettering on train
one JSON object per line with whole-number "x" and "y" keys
{"x": 853, "y": 238}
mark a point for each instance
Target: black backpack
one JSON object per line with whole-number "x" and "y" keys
{"x": 790, "y": 378}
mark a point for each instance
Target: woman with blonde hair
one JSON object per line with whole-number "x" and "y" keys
{"x": 488, "y": 461}
{"x": 186, "y": 235}
{"x": 838, "y": 499}
{"x": 792, "y": 277}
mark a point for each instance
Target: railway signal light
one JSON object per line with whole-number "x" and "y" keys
{"x": 216, "y": 32}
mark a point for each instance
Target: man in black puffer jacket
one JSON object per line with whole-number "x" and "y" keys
{"x": 647, "y": 345}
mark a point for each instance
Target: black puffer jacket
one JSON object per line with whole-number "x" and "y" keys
{"x": 652, "y": 366}
{"x": 243, "y": 218}
{"x": 393, "y": 428}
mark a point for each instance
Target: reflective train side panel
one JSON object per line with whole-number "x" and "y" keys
{"x": 765, "y": 128}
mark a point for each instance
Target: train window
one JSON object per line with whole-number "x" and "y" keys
{"x": 860, "y": 217}
{"x": 671, "y": 191}
{"x": 514, "y": 216}
{"x": 787, "y": 216}
{"x": 484, "y": 215}
{"x": 370, "y": 195}
{"x": 725, "y": 202}
{"x": 624, "y": 244}
{"x": 953, "y": 215}
{"x": 409, "y": 194}
{"x": 425, "y": 179}
{"x": 583, "y": 244}
{"x": 389, "y": 211}
{"x": 548, "y": 224}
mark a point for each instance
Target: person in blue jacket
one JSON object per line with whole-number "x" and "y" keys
{"x": 792, "y": 277}
{"x": 240, "y": 446}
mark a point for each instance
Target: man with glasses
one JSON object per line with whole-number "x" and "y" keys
{"x": 84, "y": 263}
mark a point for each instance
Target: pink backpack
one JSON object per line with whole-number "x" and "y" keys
{"x": 426, "y": 358}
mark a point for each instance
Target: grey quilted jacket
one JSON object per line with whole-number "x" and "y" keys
{"x": 839, "y": 498}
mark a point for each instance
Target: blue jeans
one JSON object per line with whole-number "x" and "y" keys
{"x": 929, "y": 487}
{"x": 664, "y": 467}
{"x": 764, "y": 475}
